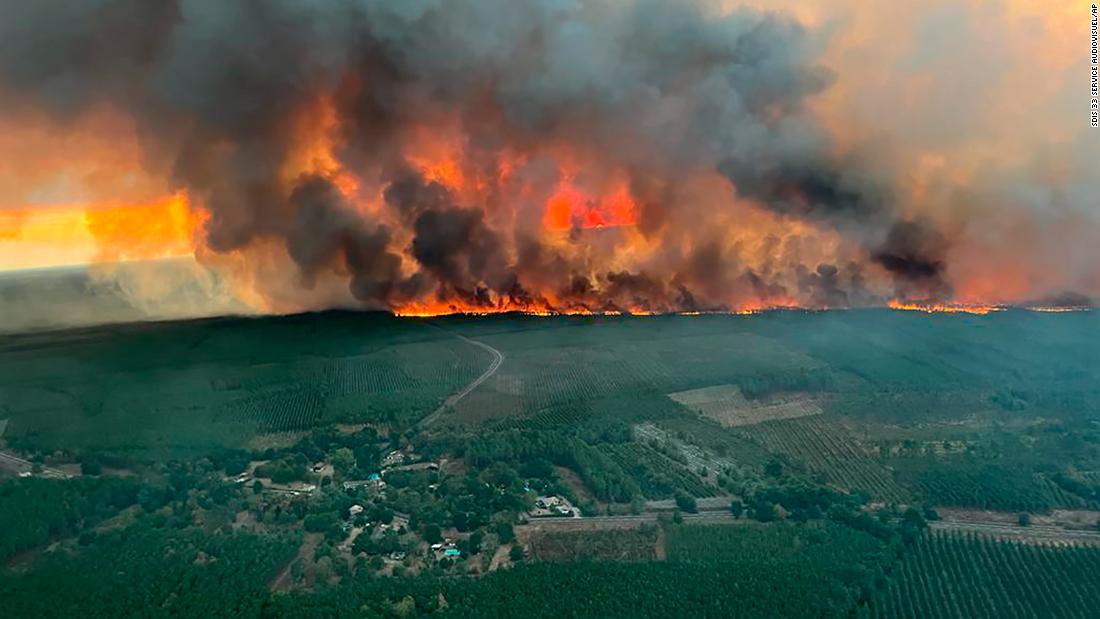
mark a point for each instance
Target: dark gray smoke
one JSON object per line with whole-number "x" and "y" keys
{"x": 665, "y": 90}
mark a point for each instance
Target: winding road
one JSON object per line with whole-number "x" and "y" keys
{"x": 498, "y": 358}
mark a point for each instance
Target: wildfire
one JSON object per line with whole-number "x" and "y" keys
{"x": 947, "y": 308}
{"x": 571, "y": 207}
{"x": 422, "y": 309}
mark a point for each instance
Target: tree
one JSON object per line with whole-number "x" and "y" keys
{"x": 432, "y": 534}
{"x": 737, "y": 508}
{"x": 1024, "y": 519}
{"x": 505, "y": 532}
{"x": 318, "y": 523}
{"x": 257, "y": 487}
{"x": 405, "y": 608}
{"x": 686, "y": 502}
{"x": 912, "y": 515}
{"x": 235, "y": 466}
{"x": 677, "y": 517}
{"x": 90, "y": 466}
{"x": 343, "y": 460}
{"x": 764, "y": 511}
{"x": 516, "y": 554}
{"x": 774, "y": 468}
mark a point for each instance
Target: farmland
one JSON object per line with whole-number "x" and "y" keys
{"x": 729, "y": 407}
{"x": 626, "y": 544}
{"x": 956, "y": 575}
{"x": 179, "y": 387}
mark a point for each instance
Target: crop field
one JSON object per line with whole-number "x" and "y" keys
{"x": 826, "y": 451}
{"x": 724, "y": 444}
{"x": 569, "y": 362}
{"x": 956, "y": 575}
{"x": 754, "y": 542}
{"x": 729, "y": 407}
{"x": 659, "y": 476}
{"x": 611, "y": 544}
{"x": 986, "y": 486}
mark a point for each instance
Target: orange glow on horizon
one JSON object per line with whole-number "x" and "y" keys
{"x": 946, "y": 308}
{"x": 80, "y": 234}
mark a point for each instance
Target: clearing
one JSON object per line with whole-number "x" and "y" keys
{"x": 729, "y": 407}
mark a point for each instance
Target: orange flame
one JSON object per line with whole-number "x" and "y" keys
{"x": 571, "y": 207}
{"x": 947, "y": 308}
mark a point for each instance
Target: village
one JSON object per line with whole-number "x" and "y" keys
{"x": 393, "y": 519}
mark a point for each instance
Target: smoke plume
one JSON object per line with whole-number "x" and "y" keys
{"x": 548, "y": 155}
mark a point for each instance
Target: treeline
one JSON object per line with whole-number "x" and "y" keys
{"x": 589, "y": 589}
{"x": 34, "y": 510}
{"x": 800, "y": 379}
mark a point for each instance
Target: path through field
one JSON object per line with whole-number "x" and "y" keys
{"x": 498, "y": 358}
{"x": 284, "y": 579}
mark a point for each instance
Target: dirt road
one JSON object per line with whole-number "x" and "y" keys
{"x": 609, "y": 522}
{"x": 1032, "y": 533}
{"x": 498, "y": 358}
{"x": 17, "y": 465}
{"x": 284, "y": 580}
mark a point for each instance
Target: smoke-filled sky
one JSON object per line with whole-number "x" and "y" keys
{"x": 557, "y": 155}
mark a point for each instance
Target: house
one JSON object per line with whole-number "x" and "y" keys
{"x": 554, "y": 506}
{"x": 355, "y": 510}
{"x": 393, "y": 458}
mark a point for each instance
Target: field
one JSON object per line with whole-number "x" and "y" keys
{"x": 829, "y": 454}
{"x": 955, "y": 575}
{"x": 176, "y": 387}
{"x": 729, "y": 407}
{"x": 617, "y": 544}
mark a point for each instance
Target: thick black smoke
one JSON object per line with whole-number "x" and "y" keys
{"x": 663, "y": 89}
